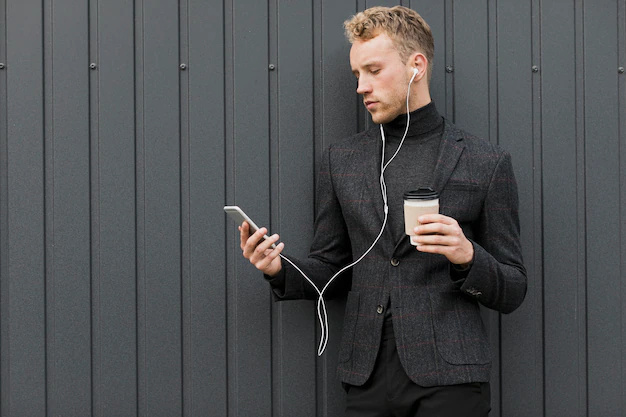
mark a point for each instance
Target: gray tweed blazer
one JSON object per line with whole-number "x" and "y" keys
{"x": 440, "y": 336}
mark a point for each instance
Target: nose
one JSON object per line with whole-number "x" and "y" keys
{"x": 363, "y": 86}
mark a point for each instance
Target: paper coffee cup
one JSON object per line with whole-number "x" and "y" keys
{"x": 422, "y": 201}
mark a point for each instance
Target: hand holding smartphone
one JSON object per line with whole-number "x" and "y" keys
{"x": 238, "y": 215}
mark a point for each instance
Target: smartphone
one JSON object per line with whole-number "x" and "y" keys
{"x": 238, "y": 215}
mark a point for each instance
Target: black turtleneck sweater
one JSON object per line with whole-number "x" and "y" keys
{"x": 414, "y": 165}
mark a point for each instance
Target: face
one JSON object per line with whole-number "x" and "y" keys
{"x": 382, "y": 77}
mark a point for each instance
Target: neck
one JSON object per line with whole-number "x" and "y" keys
{"x": 420, "y": 96}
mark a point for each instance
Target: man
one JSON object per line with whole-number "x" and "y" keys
{"x": 413, "y": 340}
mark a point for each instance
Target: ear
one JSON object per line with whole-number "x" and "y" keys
{"x": 418, "y": 60}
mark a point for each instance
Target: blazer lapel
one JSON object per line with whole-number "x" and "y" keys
{"x": 450, "y": 151}
{"x": 373, "y": 153}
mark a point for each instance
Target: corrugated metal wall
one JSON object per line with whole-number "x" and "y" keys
{"x": 126, "y": 125}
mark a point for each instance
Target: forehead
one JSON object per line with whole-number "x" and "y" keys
{"x": 379, "y": 49}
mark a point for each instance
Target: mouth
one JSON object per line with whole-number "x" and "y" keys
{"x": 369, "y": 104}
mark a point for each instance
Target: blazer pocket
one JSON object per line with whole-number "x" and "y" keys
{"x": 461, "y": 201}
{"x": 460, "y": 335}
{"x": 349, "y": 327}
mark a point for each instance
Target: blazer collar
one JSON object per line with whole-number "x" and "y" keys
{"x": 373, "y": 154}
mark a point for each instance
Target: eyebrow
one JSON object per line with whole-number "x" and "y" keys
{"x": 372, "y": 64}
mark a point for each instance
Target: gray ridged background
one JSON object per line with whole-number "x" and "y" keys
{"x": 122, "y": 288}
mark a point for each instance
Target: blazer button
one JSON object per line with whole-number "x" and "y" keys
{"x": 380, "y": 309}
{"x": 395, "y": 261}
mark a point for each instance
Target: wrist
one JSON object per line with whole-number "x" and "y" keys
{"x": 464, "y": 266}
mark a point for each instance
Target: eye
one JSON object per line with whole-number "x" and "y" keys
{"x": 375, "y": 71}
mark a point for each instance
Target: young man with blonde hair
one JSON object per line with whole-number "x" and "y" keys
{"x": 413, "y": 340}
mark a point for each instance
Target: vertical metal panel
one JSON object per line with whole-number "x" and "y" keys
{"x": 448, "y": 109}
{"x": 69, "y": 287}
{"x": 48, "y": 192}
{"x": 621, "y": 56}
{"x": 581, "y": 211}
{"x": 113, "y": 200}
{"x": 4, "y": 220}
{"x": 185, "y": 206}
{"x": 603, "y": 209}
{"x": 207, "y": 292}
{"x": 384, "y": 3}
{"x": 161, "y": 207}
{"x": 560, "y": 190}
{"x": 536, "y": 228}
{"x": 230, "y": 236}
{"x": 434, "y": 14}
{"x": 249, "y": 319}
{"x": 292, "y": 136}
{"x": 471, "y": 67}
{"x": 520, "y": 361}
{"x": 140, "y": 199}
{"x": 22, "y": 208}
{"x": 339, "y": 100}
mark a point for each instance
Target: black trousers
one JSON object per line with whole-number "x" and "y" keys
{"x": 390, "y": 393}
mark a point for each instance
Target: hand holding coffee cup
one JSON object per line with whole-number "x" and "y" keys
{"x": 422, "y": 201}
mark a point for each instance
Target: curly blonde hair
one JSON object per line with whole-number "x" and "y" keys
{"x": 405, "y": 27}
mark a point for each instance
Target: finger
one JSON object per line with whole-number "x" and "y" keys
{"x": 263, "y": 247}
{"x": 445, "y": 226}
{"x": 435, "y": 218}
{"x": 262, "y": 252}
{"x": 269, "y": 256}
{"x": 244, "y": 234}
{"x": 266, "y": 244}
{"x": 437, "y": 240}
{"x": 432, "y": 228}
{"x": 253, "y": 241}
{"x": 438, "y": 249}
